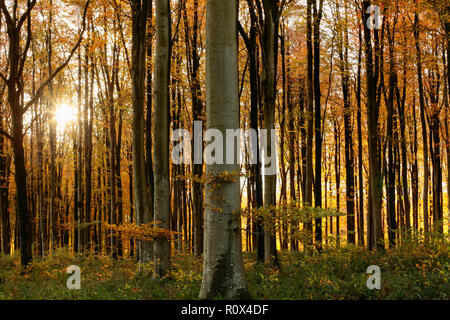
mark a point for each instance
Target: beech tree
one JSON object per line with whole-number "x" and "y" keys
{"x": 223, "y": 273}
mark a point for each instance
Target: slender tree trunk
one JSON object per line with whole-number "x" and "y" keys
{"x": 426, "y": 171}
{"x": 52, "y": 137}
{"x": 317, "y": 15}
{"x": 307, "y": 201}
{"x": 269, "y": 44}
{"x": 119, "y": 219}
{"x": 360, "y": 146}
{"x": 161, "y": 138}
{"x": 337, "y": 165}
{"x": 88, "y": 127}
{"x": 139, "y": 22}
{"x": 148, "y": 119}
{"x": 255, "y": 179}
{"x": 292, "y": 148}
{"x": 4, "y": 186}
{"x": 414, "y": 170}
{"x": 192, "y": 47}
{"x": 112, "y": 165}
{"x": 348, "y": 132}
{"x": 401, "y": 99}
{"x": 372, "y": 122}
{"x": 390, "y": 179}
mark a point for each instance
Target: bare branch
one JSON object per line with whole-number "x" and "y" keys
{"x": 27, "y": 13}
{"x": 243, "y": 35}
{"x": 41, "y": 88}
{"x": 6, "y": 134}
{"x": 8, "y": 17}
{"x": 3, "y": 77}
{"x": 27, "y": 45}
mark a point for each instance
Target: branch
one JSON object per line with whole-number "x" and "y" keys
{"x": 6, "y": 134}
{"x": 25, "y": 15}
{"x": 8, "y": 18}
{"x": 244, "y": 35}
{"x": 41, "y": 88}
{"x": 3, "y": 77}
{"x": 27, "y": 45}
{"x": 280, "y": 9}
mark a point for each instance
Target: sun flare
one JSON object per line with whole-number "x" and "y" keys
{"x": 64, "y": 115}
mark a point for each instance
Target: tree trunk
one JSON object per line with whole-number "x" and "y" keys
{"x": 401, "y": 98}
{"x": 255, "y": 178}
{"x": 139, "y": 17}
{"x": 4, "y": 186}
{"x": 148, "y": 119}
{"x": 337, "y": 165}
{"x": 375, "y": 181}
{"x": 317, "y": 15}
{"x": 269, "y": 44}
{"x": 390, "y": 182}
{"x": 161, "y": 138}
{"x": 223, "y": 272}
{"x": 88, "y": 127}
{"x": 192, "y": 47}
{"x": 52, "y": 138}
{"x": 360, "y": 146}
{"x": 426, "y": 170}
{"x": 348, "y": 132}
{"x": 307, "y": 201}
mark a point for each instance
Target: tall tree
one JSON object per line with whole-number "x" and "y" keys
{"x": 161, "y": 137}
{"x": 375, "y": 181}
{"x": 343, "y": 45}
{"x": 223, "y": 272}
{"x": 52, "y": 135}
{"x": 269, "y": 24}
{"x": 317, "y": 17}
{"x": 426, "y": 170}
{"x": 360, "y": 145}
{"x": 309, "y": 174}
{"x": 4, "y": 180}
{"x": 255, "y": 178}
{"x": 139, "y": 10}
{"x": 391, "y": 166}
{"x": 193, "y": 44}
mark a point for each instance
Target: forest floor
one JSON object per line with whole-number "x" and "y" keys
{"x": 411, "y": 271}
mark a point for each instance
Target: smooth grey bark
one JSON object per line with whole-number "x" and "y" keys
{"x": 223, "y": 272}
{"x": 161, "y": 138}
